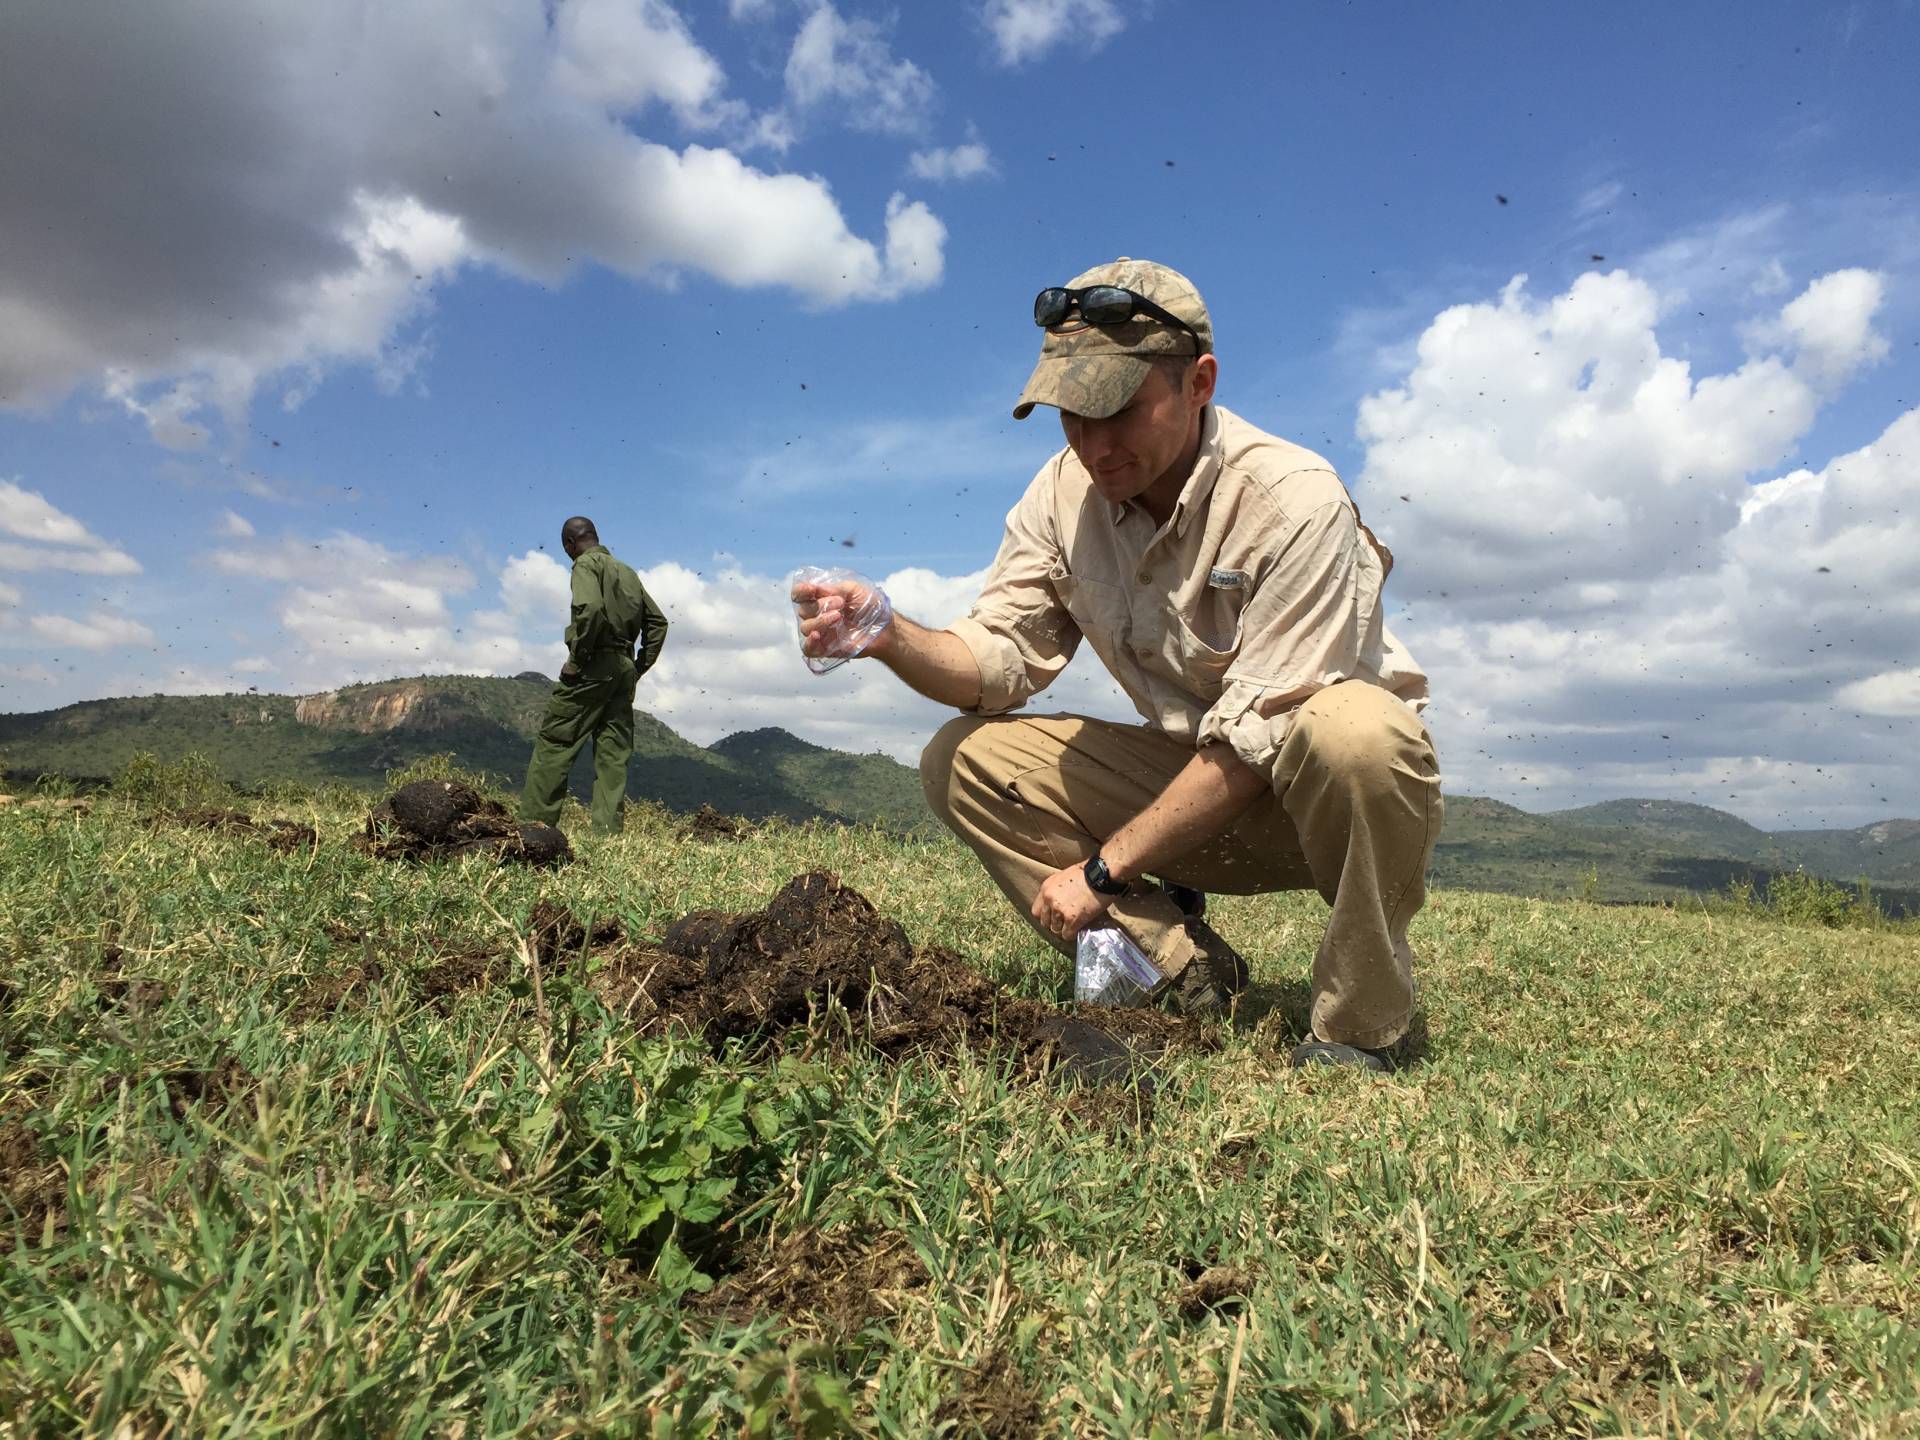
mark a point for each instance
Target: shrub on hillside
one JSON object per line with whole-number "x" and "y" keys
{"x": 1803, "y": 899}
{"x": 191, "y": 782}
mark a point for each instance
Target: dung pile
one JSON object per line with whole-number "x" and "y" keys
{"x": 727, "y": 976}
{"x": 707, "y": 823}
{"x": 835, "y": 1281}
{"x": 437, "y": 819}
{"x": 286, "y": 836}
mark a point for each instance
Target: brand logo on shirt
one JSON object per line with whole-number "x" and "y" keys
{"x": 1227, "y": 579}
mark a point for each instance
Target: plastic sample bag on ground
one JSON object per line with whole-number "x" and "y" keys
{"x": 1109, "y": 969}
{"x": 858, "y": 611}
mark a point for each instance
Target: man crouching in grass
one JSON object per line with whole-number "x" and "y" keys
{"x": 1223, "y": 577}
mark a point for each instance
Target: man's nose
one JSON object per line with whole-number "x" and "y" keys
{"x": 1096, "y": 438}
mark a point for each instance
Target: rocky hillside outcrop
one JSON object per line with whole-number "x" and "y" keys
{"x": 375, "y": 709}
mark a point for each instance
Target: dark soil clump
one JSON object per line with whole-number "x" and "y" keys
{"x": 559, "y": 938}
{"x": 438, "y": 819}
{"x": 837, "y": 1282}
{"x": 819, "y": 943}
{"x": 115, "y": 988}
{"x": 216, "y": 1089}
{"x": 1218, "y": 1287}
{"x": 538, "y": 845}
{"x": 289, "y": 838}
{"x": 329, "y": 993}
{"x": 707, "y": 823}
{"x": 1110, "y": 1110}
{"x": 993, "y": 1401}
{"x": 285, "y": 836}
{"x": 220, "y": 821}
{"x": 451, "y": 976}
{"x": 33, "y": 1185}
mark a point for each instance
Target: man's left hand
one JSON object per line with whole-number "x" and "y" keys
{"x": 1066, "y": 904}
{"x": 569, "y": 672}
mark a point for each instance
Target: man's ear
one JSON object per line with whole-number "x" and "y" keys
{"x": 1202, "y": 376}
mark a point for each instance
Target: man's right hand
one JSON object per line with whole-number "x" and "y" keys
{"x": 837, "y": 620}
{"x": 569, "y": 672}
{"x": 830, "y": 614}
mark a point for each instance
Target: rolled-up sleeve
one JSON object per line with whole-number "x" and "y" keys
{"x": 1018, "y": 632}
{"x": 1304, "y": 628}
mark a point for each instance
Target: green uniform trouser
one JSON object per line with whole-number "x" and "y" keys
{"x": 598, "y": 707}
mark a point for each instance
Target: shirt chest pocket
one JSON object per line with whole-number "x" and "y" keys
{"x": 1099, "y": 609}
{"x": 1206, "y": 641}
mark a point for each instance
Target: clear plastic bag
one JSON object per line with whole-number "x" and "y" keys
{"x": 861, "y": 616}
{"x": 1109, "y": 969}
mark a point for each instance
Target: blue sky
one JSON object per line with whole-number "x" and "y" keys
{"x": 313, "y": 328}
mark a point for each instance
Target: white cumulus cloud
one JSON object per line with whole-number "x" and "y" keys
{"x": 59, "y": 540}
{"x": 1831, "y": 324}
{"x": 1024, "y": 30}
{"x": 100, "y": 630}
{"x": 847, "y": 65}
{"x": 1607, "y": 601}
{"x": 1895, "y": 692}
{"x": 309, "y": 175}
{"x": 1542, "y": 446}
{"x": 625, "y": 55}
{"x": 971, "y": 161}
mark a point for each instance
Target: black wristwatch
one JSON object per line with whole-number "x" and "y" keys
{"x": 1099, "y": 881}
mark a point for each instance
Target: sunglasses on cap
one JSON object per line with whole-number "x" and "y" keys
{"x": 1103, "y": 305}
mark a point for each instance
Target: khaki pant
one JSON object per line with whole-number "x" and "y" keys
{"x": 1354, "y": 814}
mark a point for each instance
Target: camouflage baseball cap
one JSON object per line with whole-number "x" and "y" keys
{"x": 1093, "y": 370}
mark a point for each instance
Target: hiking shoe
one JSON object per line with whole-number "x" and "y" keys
{"x": 1212, "y": 980}
{"x": 1386, "y": 1060}
{"x": 1192, "y": 903}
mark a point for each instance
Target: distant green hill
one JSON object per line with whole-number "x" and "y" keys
{"x": 1890, "y": 849}
{"x": 873, "y": 786}
{"x": 1618, "y": 850}
{"x": 1887, "y": 852}
{"x": 1659, "y": 849}
{"x": 358, "y": 733}
{"x": 1691, "y": 827}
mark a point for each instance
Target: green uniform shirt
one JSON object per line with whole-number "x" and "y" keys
{"x": 612, "y": 611}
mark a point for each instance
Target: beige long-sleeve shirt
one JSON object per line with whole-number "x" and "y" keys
{"x": 1261, "y": 589}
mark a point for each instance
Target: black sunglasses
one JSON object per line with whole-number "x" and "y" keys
{"x": 1103, "y": 305}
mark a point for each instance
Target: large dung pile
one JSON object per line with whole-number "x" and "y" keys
{"x": 435, "y": 819}
{"x": 728, "y": 976}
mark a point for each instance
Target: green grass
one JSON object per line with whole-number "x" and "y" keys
{"x": 1657, "y": 1174}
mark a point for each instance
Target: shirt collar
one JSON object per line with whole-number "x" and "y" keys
{"x": 1206, "y": 469}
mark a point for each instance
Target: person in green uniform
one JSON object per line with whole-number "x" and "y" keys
{"x": 613, "y": 638}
